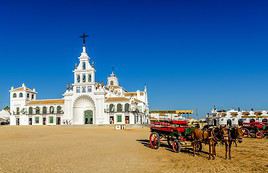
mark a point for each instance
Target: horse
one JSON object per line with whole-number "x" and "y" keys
{"x": 204, "y": 136}
{"x": 230, "y": 135}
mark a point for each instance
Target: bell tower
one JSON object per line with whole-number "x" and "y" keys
{"x": 84, "y": 72}
{"x": 112, "y": 80}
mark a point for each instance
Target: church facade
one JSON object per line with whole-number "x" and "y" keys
{"x": 84, "y": 102}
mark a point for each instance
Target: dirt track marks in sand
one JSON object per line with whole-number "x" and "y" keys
{"x": 103, "y": 149}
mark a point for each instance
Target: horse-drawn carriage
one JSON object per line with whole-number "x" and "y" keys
{"x": 176, "y": 133}
{"x": 255, "y": 129}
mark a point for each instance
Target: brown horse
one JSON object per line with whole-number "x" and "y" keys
{"x": 229, "y": 136}
{"x": 204, "y": 136}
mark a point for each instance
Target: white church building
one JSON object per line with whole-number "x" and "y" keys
{"x": 84, "y": 102}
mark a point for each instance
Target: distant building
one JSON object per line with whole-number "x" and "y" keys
{"x": 4, "y": 117}
{"x": 158, "y": 115}
{"x": 221, "y": 117}
{"x": 84, "y": 102}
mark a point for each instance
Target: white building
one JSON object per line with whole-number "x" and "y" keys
{"x": 166, "y": 115}
{"x": 4, "y": 117}
{"x": 84, "y": 102}
{"x": 220, "y": 117}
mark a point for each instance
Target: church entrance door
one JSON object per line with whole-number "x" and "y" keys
{"x": 88, "y": 117}
{"x": 83, "y": 110}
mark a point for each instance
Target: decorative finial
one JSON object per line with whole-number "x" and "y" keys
{"x": 84, "y": 36}
{"x": 112, "y": 71}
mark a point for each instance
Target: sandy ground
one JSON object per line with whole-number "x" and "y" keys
{"x": 103, "y": 149}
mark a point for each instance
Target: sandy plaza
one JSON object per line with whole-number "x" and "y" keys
{"x": 102, "y": 149}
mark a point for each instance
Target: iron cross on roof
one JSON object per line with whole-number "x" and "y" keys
{"x": 84, "y": 36}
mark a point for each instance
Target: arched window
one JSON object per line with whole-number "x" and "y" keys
{"x": 127, "y": 107}
{"x": 33, "y": 96}
{"x": 112, "y": 83}
{"x": 84, "y": 78}
{"x": 214, "y": 122}
{"x": 111, "y": 108}
{"x": 89, "y": 78}
{"x": 37, "y": 110}
{"x": 28, "y": 95}
{"x": 51, "y": 110}
{"x": 30, "y": 110}
{"x": 78, "y": 78}
{"x": 58, "y": 109}
{"x": 119, "y": 107}
{"x": 84, "y": 65}
{"x": 14, "y": 95}
{"x": 21, "y": 95}
{"x": 44, "y": 110}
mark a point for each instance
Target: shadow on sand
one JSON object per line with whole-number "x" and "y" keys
{"x": 146, "y": 143}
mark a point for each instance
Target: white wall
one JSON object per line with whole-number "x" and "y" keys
{"x": 12, "y": 120}
{"x": 24, "y": 120}
{"x": 100, "y": 117}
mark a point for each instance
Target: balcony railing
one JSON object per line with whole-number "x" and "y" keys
{"x": 47, "y": 113}
{"x": 123, "y": 111}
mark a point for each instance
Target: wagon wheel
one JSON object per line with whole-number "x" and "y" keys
{"x": 259, "y": 135}
{"x": 252, "y": 133}
{"x": 198, "y": 146}
{"x": 176, "y": 146}
{"x": 170, "y": 138}
{"x": 154, "y": 140}
{"x": 245, "y": 132}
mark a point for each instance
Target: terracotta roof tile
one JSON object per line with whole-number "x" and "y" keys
{"x": 46, "y": 102}
{"x": 137, "y": 100}
{"x": 22, "y": 89}
{"x": 131, "y": 94}
{"x": 117, "y": 99}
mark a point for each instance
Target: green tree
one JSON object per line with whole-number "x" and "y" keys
{"x": 7, "y": 108}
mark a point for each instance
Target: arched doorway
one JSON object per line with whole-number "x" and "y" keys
{"x": 88, "y": 117}
{"x": 215, "y": 123}
{"x": 83, "y": 110}
{"x": 229, "y": 122}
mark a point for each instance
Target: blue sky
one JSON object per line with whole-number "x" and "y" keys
{"x": 190, "y": 54}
